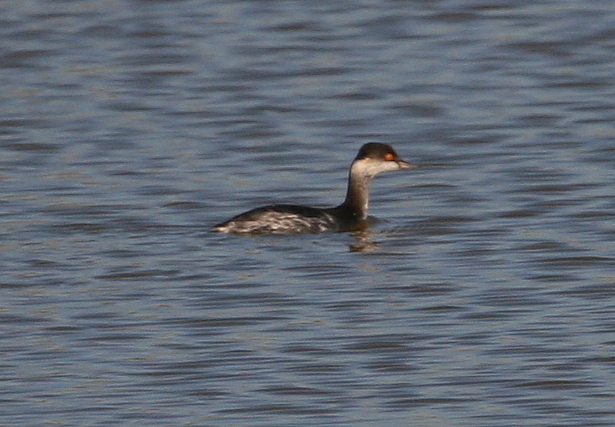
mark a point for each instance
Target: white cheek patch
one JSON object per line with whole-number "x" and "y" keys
{"x": 372, "y": 167}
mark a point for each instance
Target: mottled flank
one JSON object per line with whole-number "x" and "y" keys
{"x": 280, "y": 219}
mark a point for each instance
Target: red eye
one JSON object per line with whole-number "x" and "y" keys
{"x": 389, "y": 156}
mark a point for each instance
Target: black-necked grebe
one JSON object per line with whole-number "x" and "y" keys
{"x": 372, "y": 159}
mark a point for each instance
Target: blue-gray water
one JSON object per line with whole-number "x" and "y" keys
{"x": 485, "y": 296}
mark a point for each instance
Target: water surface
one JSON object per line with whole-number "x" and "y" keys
{"x": 483, "y": 297}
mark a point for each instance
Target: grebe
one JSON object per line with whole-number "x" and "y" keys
{"x": 372, "y": 159}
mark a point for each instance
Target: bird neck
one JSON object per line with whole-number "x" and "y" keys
{"x": 357, "y": 195}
